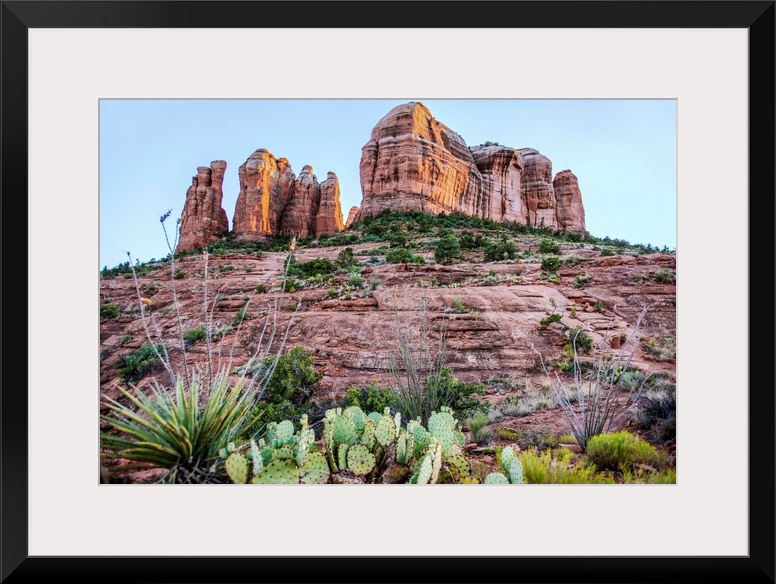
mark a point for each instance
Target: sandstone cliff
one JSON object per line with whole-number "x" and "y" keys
{"x": 203, "y": 219}
{"x": 352, "y": 216}
{"x": 568, "y": 202}
{"x": 412, "y": 162}
{"x": 273, "y": 201}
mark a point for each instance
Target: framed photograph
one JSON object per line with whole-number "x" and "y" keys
{"x": 63, "y": 62}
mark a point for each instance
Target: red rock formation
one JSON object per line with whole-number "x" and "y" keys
{"x": 298, "y": 217}
{"x": 412, "y": 162}
{"x": 203, "y": 219}
{"x": 501, "y": 169}
{"x": 568, "y": 203}
{"x": 329, "y": 219}
{"x": 266, "y": 185}
{"x": 538, "y": 192}
{"x": 273, "y": 201}
{"x": 352, "y": 216}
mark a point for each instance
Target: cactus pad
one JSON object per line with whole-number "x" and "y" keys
{"x": 516, "y": 472}
{"x": 386, "y": 430}
{"x": 444, "y": 433}
{"x": 459, "y": 466}
{"x": 375, "y": 417}
{"x": 401, "y": 448}
{"x": 279, "y": 472}
{"x": 301, "y": 452}
{"x": 468, "y": 481}
{"x": 424, "y": 473}
{"x": 397, "y": 421}
{"x": 258, "y": 461}
{"x": 436, "y": 464}
{"x": 283, "y": 452}
{"x": 342, "y": 456}
{"x": 496, "y": 478}
{"x": 507, "y": 455}
{"x": 360, "y": 460}
{"x": 356, "y": 414}
{"x": 368, "y": 437}
{"x": 343, "y": 431}
{"x": 284, "y": 431}
{"x": 315, "y": 470}
{"x": 237, "y": 468}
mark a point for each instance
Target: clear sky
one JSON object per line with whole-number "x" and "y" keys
{"x": 623, "y": 153}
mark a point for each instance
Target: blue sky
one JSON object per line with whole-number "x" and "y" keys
{"x": 623, "y": 153}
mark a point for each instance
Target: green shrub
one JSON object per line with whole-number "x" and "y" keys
{"x": 401, "y": 255}
{"x": 322, "y": 266}
{"x": 499, "y": 250}
{"x": 599, "y": 306}
{"x": 356, "y": 280}
{"x": 241, "y": 315}
{"x": 109, "y": 312}
{"x": 664, "y": 276}
{"x": 346, "y": 258}
{"x": 476, "y": 424}
{"x": 550, "y": 264}
{"x": 607, "y": 251}
{"x": 289, "y": 389}
{"x": 140, "y": 363}
{"x": 194, "y": 336}
{"x": 548, "y": 246}
{"x": 370, "y": 399}
{"x": 549, "y": 319}
{"x": 580, "y": 340}
{"x": 180, "y": 274}
{"x": 261, "y": 289}
{"x": 125, "y": 339}
{"x": 447, "y": 249}
{"x": 559, "y": 467}
{"x": 467, "y": 241}
{"x": 621, "y": 451}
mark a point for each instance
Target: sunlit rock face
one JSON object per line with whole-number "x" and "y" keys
{"x": 568, "y": 203}
{"x": 274, "y": 201}
{"x": 412, "y": 162}
{"x": 203, "y": 220}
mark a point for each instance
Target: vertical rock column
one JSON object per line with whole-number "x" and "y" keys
{"x": 203, "y": 220}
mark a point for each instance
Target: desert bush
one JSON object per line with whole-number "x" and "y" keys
{"x": 291, "y": 380}
{"x": 550, "y": 264}
{"x": 596, "y": 403}
{"x": 620, "y": 452}
{"x": 372, "y": 398}
{"x": 548, "y": 246}
{"x": 664, "y": 276}
{"x": 346, "y": 258}
{"x": 402, "y": 255}
{"x": 319, "y": 266}
{"x": 194, "y": 336}
{"x": 447, "y": 250}
{"x": 140, "y": 363}
{"x": 659, "y": 349}
{"x": 109, "y": 312}
{"x": 476, "y": 424}
{"x": 559, "y": 467}
{"x": 422, "y": 379}
{"x": 501, "y": 249}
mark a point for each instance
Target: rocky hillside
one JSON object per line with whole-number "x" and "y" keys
{"x": 490, "y": 309}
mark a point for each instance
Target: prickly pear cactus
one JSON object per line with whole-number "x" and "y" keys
{"x": 357, "y": 415}
{"x": 360, "y": 460}
{"x": 258, "y": 461}
{"x": 315, "y": 470}
{"x": 343, "y": 431}
{"x": 386, "y": 430}
{"x": 237, "y": 468}
{"x": 426, "y": 468}
{"x": 516, "y": 472}
{"x": 368, "y": 437}
{"x": 436, "y": 463}
{"x": 279, "y": 472}
{"x": 496, "y": 478}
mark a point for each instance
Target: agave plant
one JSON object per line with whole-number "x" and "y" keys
{"x": 172, "y": 431}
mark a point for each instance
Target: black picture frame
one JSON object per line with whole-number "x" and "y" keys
{"x": 755, "y": 16}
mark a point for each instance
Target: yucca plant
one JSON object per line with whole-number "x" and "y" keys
{"x": 172, "y": 431}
